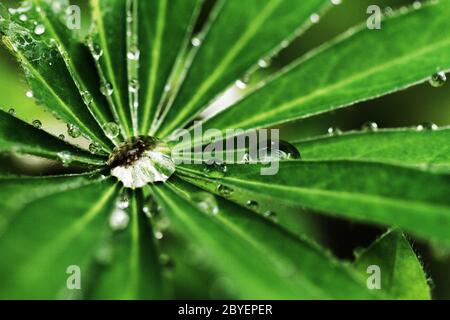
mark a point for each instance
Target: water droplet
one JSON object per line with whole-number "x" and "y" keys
{"x": 133, "y": 53}
{"x": 23, "y": 17}
{"x": 334, "y": 131}
{"x": 215, "y": 169}
{"x": 95, "y": 148}
{"x": 87, "y": 97}
{"x": 119, "y": 220}
{"x": 65, "y": 157}
{"x": 241, "y": 84}
{"x": 271, "y": 151}
{"x": 315, "y": 18}
{"x": 224, "y": 190}
{"x": 270, "y": 214}
{"x": 73, "y": 131}
{"x": 62, "y": 137}
{"x": 133, "y": 85}
{"x": 336, "y": 2}
{"x": 151, "y": 207}
{"x": 39, "y": 29}
{"x": 37, "y": 124}
{"x": 111, "y": 129}
{"x": 370, "y": 126}
{"x": 12, "y": 111}
{"x": 158, "y": 235}
{"x": 196, "y": 42}
{"x": 438, "y": 79}
{"x": 106, "y": 89}
{"x": 141, "y": 160}
{"x": 29, "y": 94}
{"x": 253, "y": 205}
{"x": 427, "y": 126}
{"x": 417, "y": 5}
{"x": 264, "y": 63}
{"x": 123, "y": 202}
{"x": 96, "y": 50}
{"x": 206, "y": 202}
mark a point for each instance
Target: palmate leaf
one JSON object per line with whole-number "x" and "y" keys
{"x": 414, "y": 200}
{"x": 55, "y": 235}
{"x": 259, "y": 30}
{"x": 261, "y": 259}
{"x": 402, "y": 276}
{"x": 47, "y": 74}
{"x": 19, "y": 137}
{"x": 135, "y": 271}
{"x": 360, "y": 65}
{"x": 423, "y": 148}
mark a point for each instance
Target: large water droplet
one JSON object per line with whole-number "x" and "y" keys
{"x": 39, "y": 29}
{"x": 73, "y": 131}
{"x": 111, "y": 129}
{"x": 438, "y": 79}
{"x": 206, "y": 202}
{"x": 119, "y": 220}
{"x": 141, "y": 160}
{"x": 106, "y": 89}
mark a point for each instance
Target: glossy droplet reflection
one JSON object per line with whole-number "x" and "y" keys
{"x": 275, "y": 151}
{"x": 141, "y": 160}
{"x": 438, "y": 79}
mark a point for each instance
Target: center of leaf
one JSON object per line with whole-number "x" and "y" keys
{"x": 141, "y": 160}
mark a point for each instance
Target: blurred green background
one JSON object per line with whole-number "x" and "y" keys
{"x": 421, "y": 103}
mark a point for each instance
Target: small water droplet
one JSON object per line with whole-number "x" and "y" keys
{"x": 23, "y": 17}
{"x": 253, "y": 205}
{"x": 240, "y": 84}
{"x": 370, "y": 126}
{"x": 315, "y": 18}
{"x": 62, "y": 137}
{"x": 438, "y": 79}
{"x": 224, "y": 190}
{"x": 123, "y": 201}
{"x": 133, "y": 53}
{"x": 37, "y": 124}
{"x": 12, "y": 111}
{"x": 39, "y": 29}
{"x": 29, "y": 94}
{"x": 133, "y": 86}
{"x": 95, "y": 148}
{"x": 106, "y": 89}
{"x": 427, "y": 126}
{"x": 264, "y": 63}
{"x": 87, "y": 97}
{"x": 206, "y": 202}
{"x": 215, "y": 169}
{"x": 271, "y": 151}
{"x": 334, "y": 131}
{"x": 111, "y": 129}
{"x": 119, "y": 220}
{"x": 270, "y": 214}
{"x": 96, "y": 50}
{"x": 159, "y": 235}
{"x": 65, "y": 157}
{"x": 196, "y": 42}
{"x": 336, "y": 2}
{"x": 73, "y": 131}
{"x": 417, "y": 5}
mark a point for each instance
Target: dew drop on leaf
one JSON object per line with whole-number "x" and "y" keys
{"x": 111, "y": 129}
{"x": 65, "y": 157}
{"x": 12, "y": 111}
{"x": 206, "y": 202}
{"x": 62, "y": 137}
{"x": 96, "y": 50}
{"x": 133, "y": 53}
{"x": 427, "y": 126}
{"x": 270, "y": 214}
{"x": 334, "y": 131}
{"x": 95, "y": 148}
{"x": 119, "y": 220}
{"x": 39, "y": 29}
{"x": 87, "y": 97}
{"x": 315, "y": 18}
{"x": 23, "y": 17}
{"x": 224, "y": 190}
{"x": 215, "y": 169}
{"x": 269, "y": 151}
{"x": 370, "y": 126}
{"x": 158, "y": 235}
{"x": 438, "y": 79}
{"x": 133, "y": 86}
{"x": 123, "y": 201}
{"x": 29, "y": 94}
{"x": 253, "y": 205}
{"x": 106, "y": 89}
{"x": 73, "y": 131}
{"x": 37, "y": 124}
{"x": 264, "y": 63}
{"x": 196, "y": 42}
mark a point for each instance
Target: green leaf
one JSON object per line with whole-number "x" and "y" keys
{"x": 80, "y": 63}
{"x": 47, "y": 74}
{"x": 425, "y": 148}
{"x": 414, "y": 200}
{"x": 20, "y": 137}
{"x": 262, "y": 260}
{"x": 164, "y": 30}
{"x": 135, "y": 271}
{"x": 47, "y": 236}
{"x": 233, "y": 46}
{"x": 109, "y": 45}
{"x": 359, "y": 65}
{"x": 402, "y": 275}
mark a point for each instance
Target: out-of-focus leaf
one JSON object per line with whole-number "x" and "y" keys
{"x": 109, "y": 48}
{"x": 414, "y": 200}
{"x": 135, "y": 271}
{"x": 260, "y": 259}
{"x": 47, "y": 236}
{"x": 425, "y": 148}
{"x": 47, "y": 74}
{"x": 20, "y": 137}
{"x": 243, "y": 32}
{"x": 360, "y": 65}
{"x": 401, "y": 274}
{"x": 164, "y": 30}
